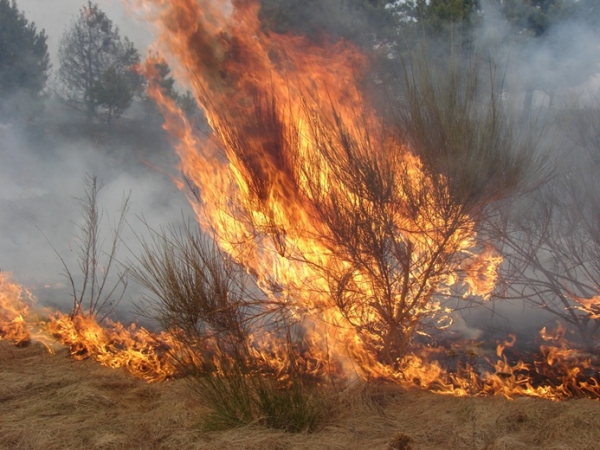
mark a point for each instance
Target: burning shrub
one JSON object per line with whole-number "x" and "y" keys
{"x": 351, "y": 226}
{"x": 15, "y": 303}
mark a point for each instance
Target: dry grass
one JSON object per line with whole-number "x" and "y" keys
{"x": 52, "y": 402}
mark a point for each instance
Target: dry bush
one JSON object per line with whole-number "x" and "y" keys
{"x": 197, "y": 293}
{"x": 96, "y": 293}
{"x": 396, "y": 228}
{"x": 205, "y": 300}
{"x": 551, "y": 245}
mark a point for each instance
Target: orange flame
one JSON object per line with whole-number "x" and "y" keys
{"x": 284, "y": 113}
{"x": 113, "y": 345}
{"x": 15, "y": 304}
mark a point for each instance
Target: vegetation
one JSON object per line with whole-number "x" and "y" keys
{"x": 95, "y": 294}
{"x": 552, "y": 240}
{"x": 204, "y": 299}
{"x": 24, "y": 64}
{"x": 96, "y": 66}
{"x": 393, "y": 244}
{"x": 49, "y": 403}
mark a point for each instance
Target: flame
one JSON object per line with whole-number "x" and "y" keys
{"x": 591, "y": 306}
{"x": 114, "y": 345}
{"x": 15, "y": 304}
{"x": 140, "y": 352}
{"x": 277, "y": 182}
{"x": 559, "y": 372}
{"x": 291, "y": 128}
{"x": 284, "y": 185}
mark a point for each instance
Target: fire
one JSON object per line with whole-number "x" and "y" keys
{"x": 343, "y": 229}
{"x": 306, "y": 187}
{"x": 140, "y": 352}
{"x": 15, "y": 304}
{"x": 114, "y": 345}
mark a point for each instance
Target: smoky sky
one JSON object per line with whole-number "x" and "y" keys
{"x": 54, "y": 16}
{"x": 44, "y": 165}
{"x": 41, "y": 178}
{"x": 41, "y": 182}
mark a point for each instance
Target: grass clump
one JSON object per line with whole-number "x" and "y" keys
{"x": 208, "y": 303}
{"x": 241, "y": 399}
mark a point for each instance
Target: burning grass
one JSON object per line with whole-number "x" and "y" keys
{"x": 53, "y": 402}
{"x": 334, "y": 241}
{"x": 351, "y": 229}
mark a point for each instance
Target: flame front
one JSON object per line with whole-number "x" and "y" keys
{"x": 338, "y": 222}
{"x": 114, "y": 345}
{"x": 15, "y": 304}
{"x": 307, "y": 188}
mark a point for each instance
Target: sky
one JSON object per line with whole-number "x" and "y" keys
{"x": 54, "y": 16}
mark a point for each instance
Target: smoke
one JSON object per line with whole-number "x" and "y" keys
{"x": 560, "y": 64}
{"x": 42, "y": 172}
{"x": 42, "y": 178}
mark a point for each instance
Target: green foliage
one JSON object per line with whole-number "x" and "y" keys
{"x": 24, "y": 63}
{"x": 166, "y": 81}
{"x": 188, "y": 104}
{"x": 89, "y": 48}
{"x": 443, "y": 13}
{"x": 162, "y": 75}
{"x": 113, "y": 93}
{"x": 239, "y": 398}
{"x": 536, "y": 17}
{"x": 449, "y": 21}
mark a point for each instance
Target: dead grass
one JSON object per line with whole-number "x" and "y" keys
{"x": 53, "y": 402}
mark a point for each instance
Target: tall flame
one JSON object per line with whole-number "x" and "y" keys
{"x": 305, "y": 186}
{"x": 286, "y": 186}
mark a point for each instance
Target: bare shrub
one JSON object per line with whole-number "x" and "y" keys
{"x": 96, "y": 294}
{"x": 552, "y": 253}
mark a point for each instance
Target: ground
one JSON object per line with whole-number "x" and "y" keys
{"x": 53, "y": 402}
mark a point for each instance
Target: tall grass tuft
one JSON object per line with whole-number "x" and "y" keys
{"x": 453, "y": 114}
{"x": 208, "y": 302}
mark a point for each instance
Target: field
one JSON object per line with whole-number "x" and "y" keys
{"x": 53, "y": 402}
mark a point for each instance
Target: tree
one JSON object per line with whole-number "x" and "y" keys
{"x": 360, "y": 21}
{"x": 157, "y": 71}
{"x": 24, "y": 63}
{"x": 92, "y": 57}
{"x": 113, "y": 93}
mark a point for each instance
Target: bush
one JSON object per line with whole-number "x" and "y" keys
{"x": 205, "y": 300}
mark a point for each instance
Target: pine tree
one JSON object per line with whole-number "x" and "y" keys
{"x": 24, "y": 64}
{"x": 91, "y": 55}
